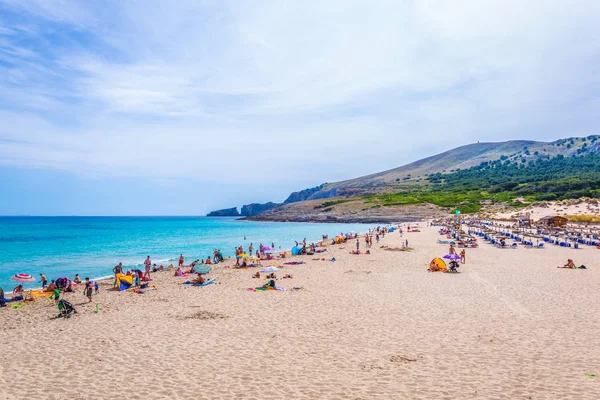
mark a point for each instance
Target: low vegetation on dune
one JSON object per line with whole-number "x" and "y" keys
{"x": 503, "y": 181}
{"x": 590, "y": 219}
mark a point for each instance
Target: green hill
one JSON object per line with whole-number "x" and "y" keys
{"x": 461, "y": 158}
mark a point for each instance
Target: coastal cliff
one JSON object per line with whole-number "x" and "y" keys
{"x": 225, "y": 212}
{"x": 252, "y": 209}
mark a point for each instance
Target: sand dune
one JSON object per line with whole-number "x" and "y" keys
{"x": 510, "y": 326}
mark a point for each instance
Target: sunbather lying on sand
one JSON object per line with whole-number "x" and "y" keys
{"x": 569, "y": 264}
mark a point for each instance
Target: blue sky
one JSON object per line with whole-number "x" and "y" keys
{"x": 156, "y": 107}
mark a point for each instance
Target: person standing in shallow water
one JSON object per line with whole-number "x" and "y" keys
{"x": 181, "y": 260}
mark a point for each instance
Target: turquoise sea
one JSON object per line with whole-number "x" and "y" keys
{"x": 92, "y": 246}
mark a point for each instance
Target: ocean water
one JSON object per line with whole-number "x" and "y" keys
{"x": 92, "y": 246}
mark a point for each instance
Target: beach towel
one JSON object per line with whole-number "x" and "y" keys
{"x": 141, "y": 290}
{"x": 39, "y": 293}
{"x": 295, "y": 263}
{"x": 263, "y": 289}
{"x": 213, "y": 280}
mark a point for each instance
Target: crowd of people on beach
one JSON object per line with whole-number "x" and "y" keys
{"x": 252, "y": 257}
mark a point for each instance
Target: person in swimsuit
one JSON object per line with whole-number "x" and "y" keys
{"x": 147, "y": 264}
{"x": 89, "y": 287}
{"x": 181, "y": 260}
{"x": 44, "y": 280}
{"x": 118, "y": 269}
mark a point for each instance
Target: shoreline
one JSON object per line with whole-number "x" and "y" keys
{"x": 165, "y": 261}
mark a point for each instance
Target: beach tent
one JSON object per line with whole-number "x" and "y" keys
{"x": 124, "y": 281}
{"x": 296, "y": 250}
{"x": 437, "y": 264}
{"x": 339, "y": 239}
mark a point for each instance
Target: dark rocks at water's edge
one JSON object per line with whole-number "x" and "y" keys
{"x": 249, "y": 210}
{"x": 225, "y": 212}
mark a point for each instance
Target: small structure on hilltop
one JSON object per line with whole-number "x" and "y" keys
{"x": 553, "y": 221}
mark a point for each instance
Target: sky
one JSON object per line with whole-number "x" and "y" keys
{"x": 181, "y": 107}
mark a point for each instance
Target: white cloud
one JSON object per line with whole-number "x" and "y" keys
{"x": 330, "y": 89}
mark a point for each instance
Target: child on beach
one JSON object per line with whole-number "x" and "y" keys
{"x": 87, "y": 291}
{"x": 96, "y": 288}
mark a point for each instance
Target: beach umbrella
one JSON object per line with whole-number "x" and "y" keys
{"x": 202, "y": 269}
{"x": 452, "y": 256}
{"x": 267, "y": 248}
{"x": 242, "y": 255}
{"x": 23, "y": 278}
{"x": 268, "y": 270}
{"x": 270, "y": 251}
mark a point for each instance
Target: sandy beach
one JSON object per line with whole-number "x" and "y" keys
{"x": 509, "y": 326}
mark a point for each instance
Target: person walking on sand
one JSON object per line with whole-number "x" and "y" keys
{"x": 181, "y": 260}
{"x": 357, "y": 245}
{"x": 463, "y": 256}
{"x": 118, "y": 269}
{"x": 43, "y": 280}
{"x": 451, "y": 250}
{"x": 147, "y": 264}
{"x": 87, "y": 291}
